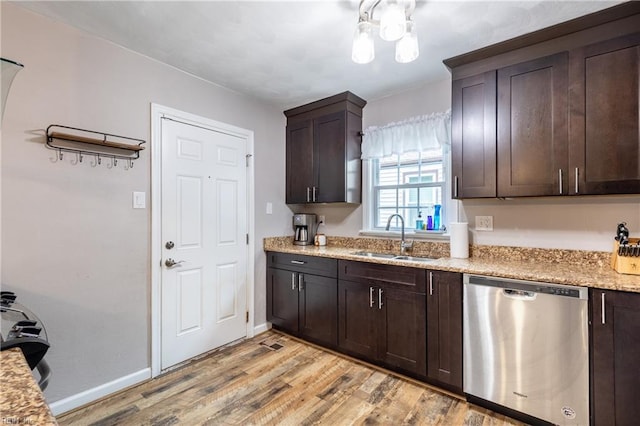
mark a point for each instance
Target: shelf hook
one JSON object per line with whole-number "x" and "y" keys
{"x": 60, "y": 154}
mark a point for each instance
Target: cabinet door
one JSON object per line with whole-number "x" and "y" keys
{"x": 533, "y": 127}
{"x": 615, "y": 355}
{"x": 357, "y": 313}
{"x": 299, "y": 172}
{"x": 282, "y": 299}
{"x": 401, "y": 331}
{"x": 329, "y": 165}
{"x": 605, "y": 138}
{"x": 444, "y": 328}
{"x": 319, "y": 309}
{"x": 473, "y": 136}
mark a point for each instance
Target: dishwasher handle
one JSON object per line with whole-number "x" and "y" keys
{"x": 519, "y": 294}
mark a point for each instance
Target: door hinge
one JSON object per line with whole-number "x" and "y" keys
{"x": 246, "y": 157}
{"x": 247, "y": 239}
{"x": 247, "y": 316}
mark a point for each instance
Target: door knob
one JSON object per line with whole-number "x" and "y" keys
{"x": 169, "y": 245}
{"x": 170, "y": 263}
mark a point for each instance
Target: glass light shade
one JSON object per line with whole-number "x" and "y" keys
{"x": 393, "y": 22}
{"x": 407, "y": 49}
{"x": 8, "y": 71}
{"x": 363, "y": 49}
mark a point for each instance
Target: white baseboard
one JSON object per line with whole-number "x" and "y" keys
{"x": 90, "y": 395}
{"x": 261, "y": 328}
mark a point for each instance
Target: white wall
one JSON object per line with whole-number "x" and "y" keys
{"x": 72, "y": 246}
{"x": 581, "y": 223}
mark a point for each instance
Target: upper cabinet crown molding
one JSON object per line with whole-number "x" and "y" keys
{"x": 558, "y": 117}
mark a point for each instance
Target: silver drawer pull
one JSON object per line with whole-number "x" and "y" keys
{"x": 603, "y": 310}
{"x": 379, "y": 298}
{"x": 298, "y": 262}
{"x": 371, "y": 297}
{"x": 293, "y": 281}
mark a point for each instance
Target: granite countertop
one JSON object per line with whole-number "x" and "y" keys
{"x": 570, "y": 267}
{"x": 21, "y": 401}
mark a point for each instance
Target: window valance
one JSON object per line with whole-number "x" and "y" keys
{"x": 414, "y": 134}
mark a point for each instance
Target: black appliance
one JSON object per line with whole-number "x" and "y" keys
{"x": 22, "y": 329}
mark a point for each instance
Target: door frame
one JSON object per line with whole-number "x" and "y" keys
{"x": 157, "y": 112}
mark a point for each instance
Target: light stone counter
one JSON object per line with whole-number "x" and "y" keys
{"x": 21, "y": 401}
{"x": 571, "y": 267}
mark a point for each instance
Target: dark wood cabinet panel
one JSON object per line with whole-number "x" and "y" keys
{"x": 444, "y": 329}
{"x": 473, "y": 136}
{"x": 318, "y": 314}
{"x": 329, "y": 167}
{"x": 282, "y": 299}
{"x": 402, "y": 330}
{"x": 382, "y": 315}
{"x": 533, "y": 129}
{"x": 356, "y": 319}
{"x": 605, "y": 135}
{"x": 615, "y": 376}
{"x": 323, "y": 151}
{"x": 299, "y": 300}
{"x": 300, "y": 160}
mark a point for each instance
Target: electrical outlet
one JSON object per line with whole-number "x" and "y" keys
{"x": 321, "y": 219}
{"x": 484, "y": 223}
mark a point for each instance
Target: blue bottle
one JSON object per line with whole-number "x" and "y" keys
{"x": 436, "y": 217}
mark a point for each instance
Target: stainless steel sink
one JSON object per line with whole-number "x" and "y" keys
{"x": 393, "y": 256}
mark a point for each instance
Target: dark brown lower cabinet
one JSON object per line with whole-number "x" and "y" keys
{"x": 615, "y": 351}
{"x": 382, "y": 315}
{"x": 444, "y": 329}
{"x": 301, "y": 303}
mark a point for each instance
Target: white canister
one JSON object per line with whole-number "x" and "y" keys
{"x": 459, "y": 239}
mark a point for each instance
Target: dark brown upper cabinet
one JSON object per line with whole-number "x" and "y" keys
{"x": 323, "y": 141}
{"x": 533, "y": 127}
{"x": 604, "y": 99}
{"x": 566, "y": 115}
{"x": 473, "y": 130}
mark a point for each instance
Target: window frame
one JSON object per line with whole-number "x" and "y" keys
{"x": 449, "y": 206}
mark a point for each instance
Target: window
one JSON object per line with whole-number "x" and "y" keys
{"x": 406, "y": 172}
{"x": 408, "y": 184}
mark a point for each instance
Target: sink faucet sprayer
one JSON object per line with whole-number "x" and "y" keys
{"x": 404, "y": 245}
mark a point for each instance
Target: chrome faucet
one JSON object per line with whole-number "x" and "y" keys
{"x": 404, "y": 245}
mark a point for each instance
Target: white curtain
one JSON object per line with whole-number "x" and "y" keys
{"x": 412, "y": 135}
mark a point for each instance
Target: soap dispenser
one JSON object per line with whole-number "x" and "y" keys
{"x": 419, "y": 221}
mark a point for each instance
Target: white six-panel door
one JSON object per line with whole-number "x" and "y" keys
{"x": 204, "y": 228}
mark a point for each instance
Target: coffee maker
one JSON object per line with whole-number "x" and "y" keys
{"x": 304, "y": 226}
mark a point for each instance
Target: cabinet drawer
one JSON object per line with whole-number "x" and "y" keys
{"x": 323, "y": 266}
{"x": 401, "y": 277}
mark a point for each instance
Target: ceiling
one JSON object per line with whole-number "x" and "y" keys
{"x": 292, "y": 52}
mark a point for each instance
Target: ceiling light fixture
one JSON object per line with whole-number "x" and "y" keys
{"x": 395, "y": 24}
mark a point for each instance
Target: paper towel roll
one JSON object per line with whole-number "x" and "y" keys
{"x": 459, "y": 239}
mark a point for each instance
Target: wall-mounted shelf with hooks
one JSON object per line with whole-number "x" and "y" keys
{"x": 87, "y": 142}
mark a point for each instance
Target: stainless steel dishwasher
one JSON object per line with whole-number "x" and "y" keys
{"x": 526, "y": 347}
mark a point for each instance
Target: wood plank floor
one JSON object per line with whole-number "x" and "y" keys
{"x": 274, "y": 379}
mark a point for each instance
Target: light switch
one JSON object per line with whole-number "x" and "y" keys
{"x": 139, "y": 200}
{"x": 269, "y": 208}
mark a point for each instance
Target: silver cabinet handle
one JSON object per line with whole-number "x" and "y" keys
{"x": 298, "y": 262}
{"x": 560, "y": 179}
{"x": 430, "y": 283}
{"x": 379, "y": 298}
{"x": 455, "y": 187}
{"x": 577, "y": 176}
{"x": 300, "y": 281}
{"x": 314, "y": 194}
{"x": 371, "y": 297}
{"x": 170, "y": 263}
{"x": 293, "y": 281}
{"x": 603, "y": 310}
{"x": 308, "y": 194}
